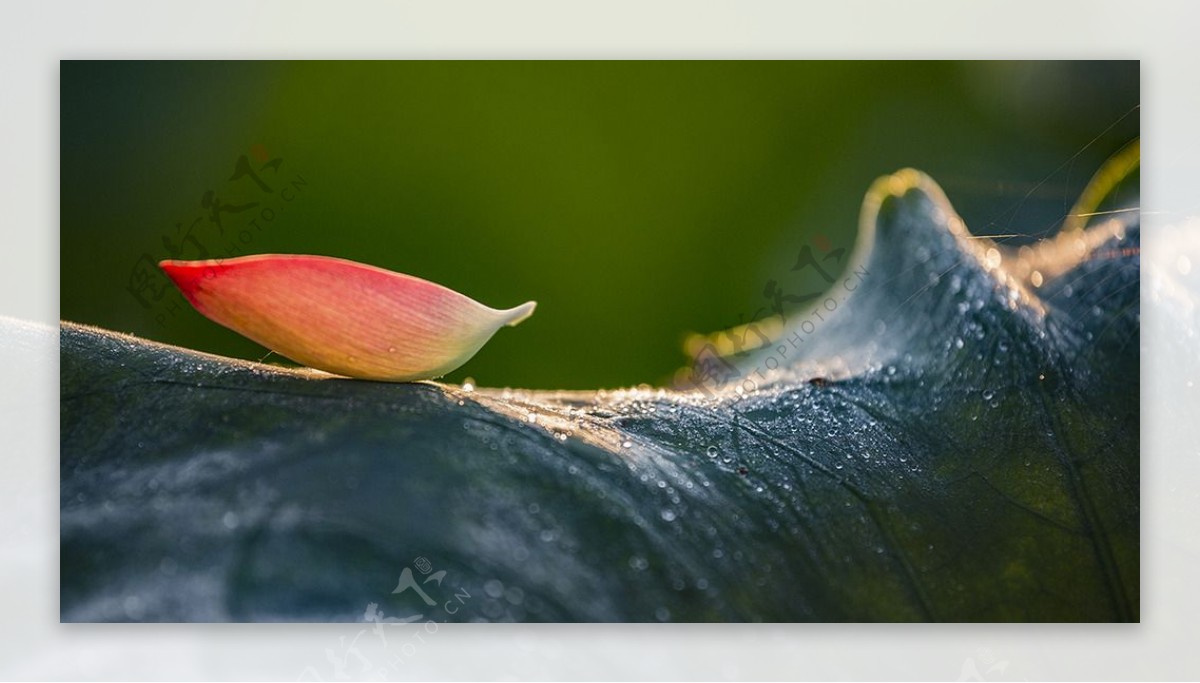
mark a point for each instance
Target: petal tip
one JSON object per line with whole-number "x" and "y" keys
{"x": 516, "y": 316}
{"x": 184, "y": 274}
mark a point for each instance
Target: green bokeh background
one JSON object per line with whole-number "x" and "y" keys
{"x": 635, "y": 201}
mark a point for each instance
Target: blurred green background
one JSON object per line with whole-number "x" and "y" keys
{"x": 635, "y": 201}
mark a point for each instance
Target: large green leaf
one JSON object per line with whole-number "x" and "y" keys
{"x": 950, "y": 443}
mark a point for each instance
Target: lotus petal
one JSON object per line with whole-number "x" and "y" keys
{"x": 341, "y": 316}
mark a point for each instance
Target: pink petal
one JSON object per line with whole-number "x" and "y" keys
{"x": 340, "y": 316}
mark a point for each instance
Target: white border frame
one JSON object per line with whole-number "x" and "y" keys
{"x": 34, "y": 36}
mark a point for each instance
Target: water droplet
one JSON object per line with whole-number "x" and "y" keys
{"x": 627, "y": 444}
{"x": 712, "y": 451}
{"x": 988, "y": 394}
{"x": 133, "y": 607}
{"x": 662, "y": 614}
{"x": 638, "y": 563}
{"x": 668, "y": 515}
{"x": 493, "y": 588}
{"x": 993, "y": 257}
{"x": 468, "y": 384}
{"x": 958, "y": 342}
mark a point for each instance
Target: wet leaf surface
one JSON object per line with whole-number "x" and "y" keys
{"x": 951, "y": 442}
